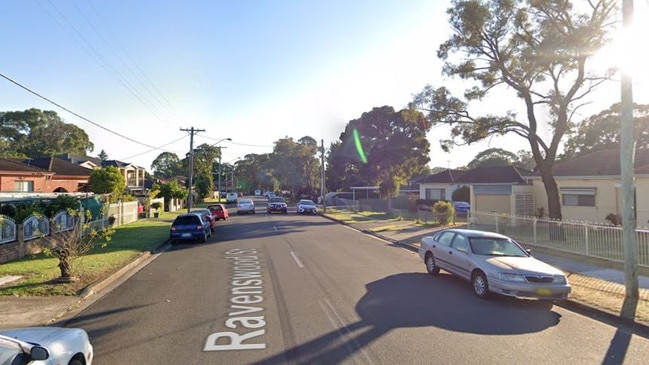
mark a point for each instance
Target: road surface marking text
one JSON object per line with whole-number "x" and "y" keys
{"x": 246, "y": 293}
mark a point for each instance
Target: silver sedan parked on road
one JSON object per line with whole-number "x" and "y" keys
{"x": 493, "y": 263}
{"x": 46, "y": 346}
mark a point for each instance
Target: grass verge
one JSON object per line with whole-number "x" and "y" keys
{"x": 39, "y": 272}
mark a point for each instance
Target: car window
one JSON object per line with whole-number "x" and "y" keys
{"x": 187, "y": 219}
{"x": 216, "y": 207}
{"x": 445, "y": 238}
{"x": 460, "y": 243}
{"x": 276, "y": 200}
{"x": 495, "y": 247}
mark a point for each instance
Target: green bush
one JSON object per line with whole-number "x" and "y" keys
{"x": 444, "y": 211}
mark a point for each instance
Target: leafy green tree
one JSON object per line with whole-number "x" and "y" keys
{"x": 171, "y": 190}
{"x": 493, "y": 157}
{"x": 108, "y": 180}
{"x": 602, "y": 132}
{"x": 103, "y": 155}
{"x": 462, "y": 194}
{"x": 34, "y": 132}
{"x": 294, "y": 164}
{"x": 540, "y": 50}
{"x": 383, "y": 148}
{"x": 166, "y": 166}
{"x": 336, "y": 171}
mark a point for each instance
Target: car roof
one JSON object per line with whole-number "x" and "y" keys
{"x": 476, "y": 233}
{"x": 190, "y": 214}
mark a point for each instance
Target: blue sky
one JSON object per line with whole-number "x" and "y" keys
{"x": 254, "y": 71}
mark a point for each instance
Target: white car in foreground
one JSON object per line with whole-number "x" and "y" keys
{"x": 45, "y": 346}
{"x": 493, "y": 263}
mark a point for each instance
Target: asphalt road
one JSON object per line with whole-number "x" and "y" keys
{"x": 288, "y": 289}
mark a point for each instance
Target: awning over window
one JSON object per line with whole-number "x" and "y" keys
{"x": 578, "y": 191}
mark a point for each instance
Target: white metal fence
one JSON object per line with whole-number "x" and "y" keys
{"x": 595, "y": 240}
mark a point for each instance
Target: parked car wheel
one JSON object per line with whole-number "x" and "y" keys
{"x": 430, "y": 264}
{"x": 480, "y": 285}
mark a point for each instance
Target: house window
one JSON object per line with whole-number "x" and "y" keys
{"x": 578, "y": 197}
{"x": 23, "y": 185}
{"x": 436, "y": 194}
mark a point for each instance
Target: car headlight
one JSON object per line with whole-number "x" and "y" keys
{"x": 505, "y": 276}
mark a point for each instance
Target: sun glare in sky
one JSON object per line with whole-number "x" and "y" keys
{"x": 628, "y": 53}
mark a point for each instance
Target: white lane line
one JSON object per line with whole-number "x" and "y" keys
{"x": 344, "y": 332}
{"x": 297, "y": 260}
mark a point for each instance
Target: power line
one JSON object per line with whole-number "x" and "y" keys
{"x": 73, "y": 113}
{"x": 100, "y": 58}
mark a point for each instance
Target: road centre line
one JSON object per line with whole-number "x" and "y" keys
{"x": 297, "y": 260}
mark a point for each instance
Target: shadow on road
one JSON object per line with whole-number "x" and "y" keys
{"x": 388, "y": 305}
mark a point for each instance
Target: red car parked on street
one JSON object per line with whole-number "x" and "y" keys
{"x": 208, "y": 216}
{"x": 220, "y": 211}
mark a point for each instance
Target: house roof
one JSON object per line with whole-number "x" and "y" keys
{"x": 494, "y": 175}
{"x": 480, "y": 175}
{"x": 7, "y": 164}
{"x": 601, "y": 163}
{"x": 57, "y": 166}
{"x": 443, "y": 177}
{"x": 81, "y": 159}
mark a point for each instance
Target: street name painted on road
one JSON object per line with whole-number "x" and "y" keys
{"x": 246, "y": 296}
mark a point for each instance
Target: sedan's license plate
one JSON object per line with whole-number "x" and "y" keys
{"x": 187, "y": 234}
{"x": 544, "y": 292}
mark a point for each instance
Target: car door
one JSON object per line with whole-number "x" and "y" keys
{"x": 458, "y": 256}
{"x": 441, "y": 249}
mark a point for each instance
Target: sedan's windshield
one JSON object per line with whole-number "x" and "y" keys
{"x": 495, "y": 247}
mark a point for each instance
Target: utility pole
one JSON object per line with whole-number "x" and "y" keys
{"x": 191, "y": 131}
{"x": 220, "y": 170}
{"x": 627, "y": 152}
{"x": 322, "y": 177}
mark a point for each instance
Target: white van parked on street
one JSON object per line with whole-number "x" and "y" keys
{"x": 231, "y": 197}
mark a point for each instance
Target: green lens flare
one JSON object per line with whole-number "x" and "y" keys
{"x": 359, "y": 147}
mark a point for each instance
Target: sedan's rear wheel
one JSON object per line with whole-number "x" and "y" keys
{"x": 480, "y": 285}
{"x": 431, "y": 267}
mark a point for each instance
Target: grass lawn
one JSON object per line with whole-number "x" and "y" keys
{"x": 39, "y": 272}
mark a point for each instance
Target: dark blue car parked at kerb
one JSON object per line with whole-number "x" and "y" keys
{"x": 189, "y": 227}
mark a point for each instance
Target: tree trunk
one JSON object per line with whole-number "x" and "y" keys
{"x": 65, "y": 266}
{"x": 554, "y": 202}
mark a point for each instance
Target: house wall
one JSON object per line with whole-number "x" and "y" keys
{"x": 70, "y": 185}
{"x": 7, "y": 182}
{"x": 448, "y": 188}
{"x": 607, "y": 199}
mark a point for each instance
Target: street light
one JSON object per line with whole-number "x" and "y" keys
{"x": 220, "y": 154}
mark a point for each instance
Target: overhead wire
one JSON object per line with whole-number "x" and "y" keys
{"x": 140, "y": 75}
{"x": 100, "y": 58}
{"x": 74, "y": 113}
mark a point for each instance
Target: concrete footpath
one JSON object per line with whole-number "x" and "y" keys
{"x": 598, "y": 282}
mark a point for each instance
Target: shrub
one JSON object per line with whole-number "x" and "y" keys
{"x": 443, "y": 212}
